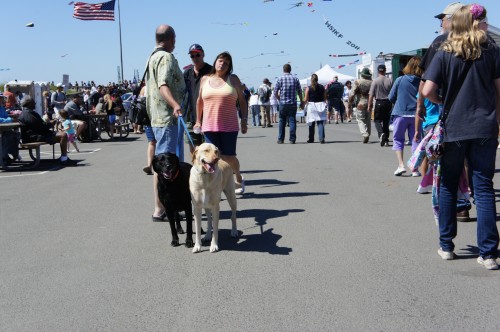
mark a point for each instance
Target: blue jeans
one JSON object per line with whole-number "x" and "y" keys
{"x": 166, "y": 139}
{"x": 256, "y": 115}
{"x": 321, "y": 130}
{"x": 481, "y": 154}
{"x": 288, "y": 112}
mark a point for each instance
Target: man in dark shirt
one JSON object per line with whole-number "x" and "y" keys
{"x": 379, "y": 92}
{"x": 94, "y": 98}
{"x": 36, "y": 130}
{"x": 192, "y": 77}
{"x": 334, "y": 92}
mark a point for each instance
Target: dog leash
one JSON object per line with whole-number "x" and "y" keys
{"x": 181, "y": 128}
{"x": 183, "y": 123}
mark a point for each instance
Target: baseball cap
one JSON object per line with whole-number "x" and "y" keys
{"x": 450, "y": 9}
{"x": 195, "y": 48}
{"x": 381, "y": 68}
{"x": 59, "y": 85}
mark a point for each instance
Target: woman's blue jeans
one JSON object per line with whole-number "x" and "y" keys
{"x": 481, "y": 155}
{"x": 321, "y": 130}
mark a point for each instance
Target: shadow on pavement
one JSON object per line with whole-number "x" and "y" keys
{"x": 268, "y": 182}
{"x": 261, "y": 171}
{"x": 266, "y": 242}
{"x": 249, "y": 195}
{"x": 45, "y": 165}
{"x": 471, "y": 252}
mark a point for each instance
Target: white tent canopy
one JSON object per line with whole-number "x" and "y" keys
{"x": 325, "y": 76}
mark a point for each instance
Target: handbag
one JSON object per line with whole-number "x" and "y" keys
{"x": 434, "y": 149}
{"x": 418, "y": 155}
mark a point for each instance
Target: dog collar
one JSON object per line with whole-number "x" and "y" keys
{"x": 175, "y": 176}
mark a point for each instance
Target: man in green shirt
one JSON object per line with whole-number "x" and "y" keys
{"x": 164, "y": 91}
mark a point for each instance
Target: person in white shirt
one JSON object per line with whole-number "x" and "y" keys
{"x": 253, "y": 104}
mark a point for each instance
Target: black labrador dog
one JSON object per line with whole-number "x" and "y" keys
{"x": 174, "y": 194}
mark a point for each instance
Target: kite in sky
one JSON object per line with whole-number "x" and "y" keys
{"x": 242, "y": 23}
{"x": 345, "y": 55}
{"x": 72, "y": 2}
{"x": 275, "y": 53}
{"x": 295, "y": 5}
{"x": 62, "y": 56}
{"x": 4, "y": 69}
{"x": 264, "y": 1}
{"x": 30, "y": 25}
{"x": 347, "y": 64}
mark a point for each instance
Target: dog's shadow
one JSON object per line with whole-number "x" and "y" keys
{"x": 266, "y": 241}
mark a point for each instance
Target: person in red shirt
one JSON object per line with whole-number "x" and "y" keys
{"x": 10, "y": 98}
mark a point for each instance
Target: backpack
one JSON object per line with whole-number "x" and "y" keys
{"x": 264, "y": 95}
{"x": 335, "y": 90}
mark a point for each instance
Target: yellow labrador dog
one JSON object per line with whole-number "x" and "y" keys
{"x": 210, "y": 176}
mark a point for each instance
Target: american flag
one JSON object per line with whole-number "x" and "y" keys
{"x": 95, "y": 11}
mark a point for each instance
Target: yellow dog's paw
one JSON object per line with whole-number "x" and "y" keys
{"x": 214, "y": 248}
{"x": 196, "y": 248}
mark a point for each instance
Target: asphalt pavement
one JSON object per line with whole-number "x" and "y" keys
{"x": 330, "y": 240}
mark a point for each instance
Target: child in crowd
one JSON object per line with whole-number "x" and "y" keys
{"x": 67, "y": 126}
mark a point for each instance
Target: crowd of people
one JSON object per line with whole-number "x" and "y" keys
{"x": 463, "y": 62}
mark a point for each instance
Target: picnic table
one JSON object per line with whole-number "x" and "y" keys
{"x": 95, "y": 121}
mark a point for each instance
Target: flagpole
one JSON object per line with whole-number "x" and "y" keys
{"x": 120, "y": 28}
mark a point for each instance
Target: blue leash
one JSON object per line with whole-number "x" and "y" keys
{"x": 181, "y": 128}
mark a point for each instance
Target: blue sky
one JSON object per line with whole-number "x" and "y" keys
{"x": 245, "y": 28}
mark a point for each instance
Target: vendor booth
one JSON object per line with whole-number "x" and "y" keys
{"x": 325, "y": 76}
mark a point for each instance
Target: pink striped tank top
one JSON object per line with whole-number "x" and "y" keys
{"x": 219, "y": 108}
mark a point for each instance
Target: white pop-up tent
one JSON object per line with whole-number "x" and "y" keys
{"x": 325, "y": 76}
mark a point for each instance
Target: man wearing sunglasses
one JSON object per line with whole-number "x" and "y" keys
{"x": 192, "y": 77}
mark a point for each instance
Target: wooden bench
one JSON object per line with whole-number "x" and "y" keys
{"x": 36, "y": 147}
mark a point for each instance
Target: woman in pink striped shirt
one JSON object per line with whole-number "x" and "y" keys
{"x": 217, "y": 112}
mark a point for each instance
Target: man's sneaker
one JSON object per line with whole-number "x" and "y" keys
{"x": 446, "y": 255}
{"x": 489, "y": 263}
{"x": 67, "y": 162}
{"x": 382, "y": 139}
{"x": 416, "y": 174}
{"x": 365, "y": 139}
{"x": 463, "y": 216}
